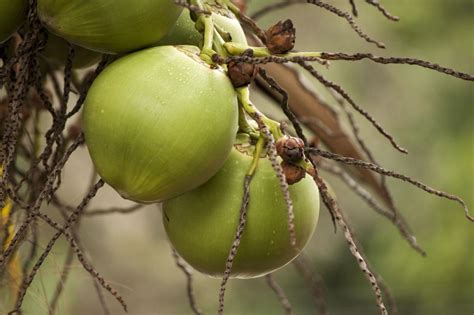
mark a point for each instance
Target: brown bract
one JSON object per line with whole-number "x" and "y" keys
{"x": 290, "y": 149}
{"x": 280, "y": 38}
{"x": 293, "y": 173}
{"x": 241, "y": 73}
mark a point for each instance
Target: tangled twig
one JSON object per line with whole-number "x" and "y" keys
{"x": 349, "y": 20}
{"x": 346, "y": 96}
{"x": 33, "y": 210}
{"x": 372, "y": 202}
{"x": 333, "y": 207}
{"x": 398, "y": 60}
{"x": 349, "y": 57}
{"x": 236, "y": 243}
{"x": 395, "y": 216}
{"x": 70, "y": 221}
{"x": 381, "y": 170}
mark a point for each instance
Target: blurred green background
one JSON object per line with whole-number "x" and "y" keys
{"x": 430, "y": 114}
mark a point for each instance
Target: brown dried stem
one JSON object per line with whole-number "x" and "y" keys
{"x": 70, "y": 221}
{"x": 284, "y": 104}
{"x": 235, "y": 243}
{"x": 33, "y": 209}
{"x": 349, "y": 20}
{"x": 85, "y": 264}
{"x": 351, "y": 57}
{"x": 372, "y": 202}
{"x": 382, "y": 10}
{"x": 273, "y": 156}
{"x": 285, "y": 303}
{"x": 397, "y": 60}
{"x": 346, "y": 96}
{"x": 331, "y": 204}
{"x": 354, "y": 8}
{"x": 396, "y": 216}
{"x": 381, "y": 170}
{"x": 189, "y": 282}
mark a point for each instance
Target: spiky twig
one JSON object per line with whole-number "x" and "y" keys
{"x": 372, "y": 202}
{"x": 85, "y": 264}
{"x": 350, "y": 57}
{"x": 235, "y": 243}
{"x": 354, "y": 8}
{"x": 381, "y": 170}
{"x": 382, "y": 10}
{"x": 333, "y": 207}
{"x": 285, "y": 303}
{"x": 70, "y": 221}
{"x": 395, "y": 216}
{"x": 346, "y": 96}
{"x": 272, "y": 155}
{"x": 70, "y": 256}
{"x": 349, "y": 20}
{"x": 189, "y": 282}
{"x": 398, "y": 60}
{"x": 33, "y": 210}
{"x": 284, "y": 104}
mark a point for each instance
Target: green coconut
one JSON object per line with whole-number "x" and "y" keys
{"x": 110, "y": 26}
{"x": 185, "y": 33}
{"x": 201, "y": 224}
{"x": 12, "y": 15}
{"x": 160, "y": 122}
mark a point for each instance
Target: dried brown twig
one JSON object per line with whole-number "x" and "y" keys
{"x": 284, "y": 302}
{"x": 381, "y": 170}
{"x": 349, "y": 20}
{"x": 372, "y": 202}
{"x": 236, "y": 242}
{"x": 181, "y": 264}
{"x": 71, "y": 220}
{"x": 351, "y": 57}
{"x": 331, "y": 204}
{"x": 382, "y": 10}
{"x": 398, "y": 60}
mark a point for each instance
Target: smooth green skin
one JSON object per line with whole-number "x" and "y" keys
{"x": 184, "y": 32}
{"x": 159, "y": 122}
{"x": 201, "y": 224}
{"x": 110, "y": 26}
{"x": 12, "y": 15}
{"x": 56, "y": 51}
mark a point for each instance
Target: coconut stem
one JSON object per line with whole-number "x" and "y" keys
{"x": 237, "y": 49}
{"x": 256, "y": 156}
{"x": 243, "y": 94}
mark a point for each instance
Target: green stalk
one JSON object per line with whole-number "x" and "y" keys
{"x": 243, "y": 94}
{"x": 237, "y": 49}
{"x": 256, "y": 155}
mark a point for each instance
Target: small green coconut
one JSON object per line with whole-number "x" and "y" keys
{"x": 110, "y": 26}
